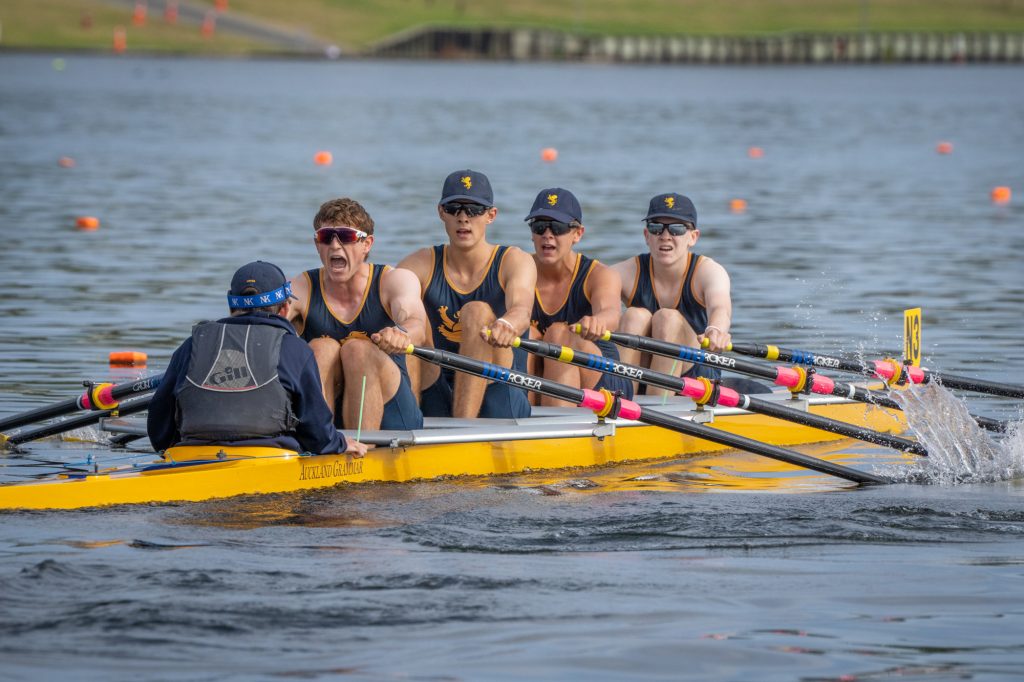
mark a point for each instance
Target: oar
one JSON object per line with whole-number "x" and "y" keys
{"x": 704, "y": 392}
{"x": 130, "y": 406}
{"x": 97, "y": 397}
{"x": 795, "y": 378}
{"x": 605, "y": 404}
{"x": 890, "y": 371}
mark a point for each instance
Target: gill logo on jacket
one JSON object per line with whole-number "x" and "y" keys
{"x": 552, "y": 199}
{"x": 449, "y": 328}
{"x": 467, "y": 182}
{"x": 670, "y": 202}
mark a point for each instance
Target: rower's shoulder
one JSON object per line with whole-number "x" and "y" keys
{"x": 301, "y": 285}
{"x": 515, "y": 258}
{"x": 625, "y": 267}
{"x": 420, "y": 262}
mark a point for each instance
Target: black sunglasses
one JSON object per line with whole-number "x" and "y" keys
{"x": 472, "y": 210}
{"x": 558, "y": 228}
{"x": 674, "y": 229}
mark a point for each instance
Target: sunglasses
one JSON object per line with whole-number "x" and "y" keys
{"x": 539, "y": 227}
{"x": 344, "y": 235}
{"x": 674, "y": 229}
{"x": 472, "y": 210}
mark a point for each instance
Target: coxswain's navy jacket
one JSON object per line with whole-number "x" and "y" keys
{"x": 314, "y": 432}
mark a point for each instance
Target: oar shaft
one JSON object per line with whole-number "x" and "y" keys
{"x": 882, "y": 369}
{"x": 79, "y": 421}
{"x": 698, "y": 390}
{"x": 743, "y": 443}
{"x": 783, "y": 376}
{"x": 630, "y": 410}
{"x": 98, "y": 397}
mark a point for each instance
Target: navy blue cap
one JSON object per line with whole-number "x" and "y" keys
{"x": 271, "y": 286}
{"x": 558, "y": 204}
{"x": 467, "y": 185}
{"x": 672, "y": 205}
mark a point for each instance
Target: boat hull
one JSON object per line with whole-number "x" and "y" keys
{"x": 208, "y": 472}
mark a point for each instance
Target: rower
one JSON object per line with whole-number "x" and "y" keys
{"x": 572, "y": 289}
{"x": 673, "y": 294}
{"x": 247, "y": 379}
{"x": 358, "y": 318}
{"x": 478, "y": 298}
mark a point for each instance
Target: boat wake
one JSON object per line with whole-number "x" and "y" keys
{"x": 959, "y": 451}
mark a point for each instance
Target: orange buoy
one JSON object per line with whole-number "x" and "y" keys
{"x": 944, "y": 147}
{"x": 87, "y": 222}
{"x": 66, "y": 162}
{"x": 209, "y": 25}
{"x": 120, "y": 39}
{"x": 738, "y": 205}
{"x": 171, "y": 12}
{"x": 1001, "y": 195}
{"x": 128, "y": 358}
{"x": 323, "y": 158}
{"x": 549, "y": 154}
{"x": 755, "y": 152}
{"x": 139, "y": 15}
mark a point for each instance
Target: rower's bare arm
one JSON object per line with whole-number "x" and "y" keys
{"x": 604, "y": 290}
{"x": 399, "y": 291}
{"x": 421, "y": 264}
{"x": 297, "y": 310}
{"x": 519, "y": 279}
{"x": 711, "y": 284}
{"x": 626, "y": 270}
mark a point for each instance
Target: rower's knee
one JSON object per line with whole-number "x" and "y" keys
{"x": 559, "y": 334}
{"x": 670, "y": 325}
{"x": 326, "y": 351}
{"x": 474, "y": 316}
{"x": 357, "y": 353}
{"x": 635, "y": 321}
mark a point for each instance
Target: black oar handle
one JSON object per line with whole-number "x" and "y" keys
{"x": 76, "y": 422}
{"x": 630, "y": 410}
{"x": 726, "y": 396}
{"x": 97, "y": 397}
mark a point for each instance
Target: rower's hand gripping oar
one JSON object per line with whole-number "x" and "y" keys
{"x": 889, "y": 370}
{"x": 95, "y": 397}
{"x": 704, "y": 392}
{"x": 608, "y": 405}
{"x": 796, "y": 379}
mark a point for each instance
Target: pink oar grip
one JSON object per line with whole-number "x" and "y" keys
{"x": 84, "y": 403}
{"x": 916, "y": 374}
{"x": 597, "y": 401}
{"x": 692, "y": 388}
{"x": 823, "y": 385}
{"x": 883, "y": 369}
{"x": 787, "y": 376}
{"x": 728, "y": 397}
{"x": 629, "y": 410}
{"x": 593, "y": 400}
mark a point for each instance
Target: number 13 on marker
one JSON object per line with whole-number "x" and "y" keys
{"x": 912, "y": 336}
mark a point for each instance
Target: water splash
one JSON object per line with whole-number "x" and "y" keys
{"x": 959, "y": 451}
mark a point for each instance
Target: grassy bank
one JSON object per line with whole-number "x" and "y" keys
{"x": 89, "y": 25}
{"x": 357, "y": 24}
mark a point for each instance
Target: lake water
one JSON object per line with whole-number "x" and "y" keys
{"x": 195, "y": 167}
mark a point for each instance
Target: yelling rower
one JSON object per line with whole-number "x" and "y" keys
{"x": 358, "y": 318}
{"x": 572, "y": 289}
